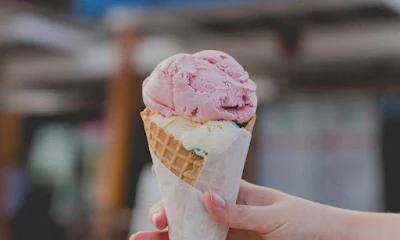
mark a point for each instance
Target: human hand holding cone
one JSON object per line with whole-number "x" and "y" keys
{"x": 199, "y": 118}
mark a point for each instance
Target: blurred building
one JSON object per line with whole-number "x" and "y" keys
{"x": 328, "y": 122}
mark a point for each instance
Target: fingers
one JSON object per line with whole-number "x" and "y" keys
{"x": 250, "y": 194}
{"x": 245, "y": 192}
{"x": 251, "y": 213}
{"x": 256, "y": 218}
{"x": 150, "y": 236}
{"x": 153, "y": 170}
{"x": 158, "y": 216}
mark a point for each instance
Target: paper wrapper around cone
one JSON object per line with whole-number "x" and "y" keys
{"x": 183, "y": 176}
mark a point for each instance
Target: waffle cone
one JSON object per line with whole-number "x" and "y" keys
{"x": 185, "y": 164}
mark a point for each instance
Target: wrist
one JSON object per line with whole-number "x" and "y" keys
{"x": 343, "y": 225}
{"x": 362, "y": 225}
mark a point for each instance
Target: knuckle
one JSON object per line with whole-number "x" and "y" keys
{"x": 238, "y": 217}
{"x": 242, "y": 211}
{"x": 245, "y": 192}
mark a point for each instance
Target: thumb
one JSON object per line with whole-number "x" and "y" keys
{"x": 256, "y": 218}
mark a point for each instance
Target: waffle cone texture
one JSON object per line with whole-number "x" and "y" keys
{"x": 185, "y": 164}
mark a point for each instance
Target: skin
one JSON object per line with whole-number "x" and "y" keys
{"x": 266, "y": 214}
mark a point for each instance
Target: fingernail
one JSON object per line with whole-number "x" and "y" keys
{"x": 134, "y": 236}
{"x": 155, "y": 217}
{"x": 216, "y": 200}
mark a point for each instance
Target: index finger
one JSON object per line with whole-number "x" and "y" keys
{"x": 158, "y": 216}
{"x": 150, "y": 236}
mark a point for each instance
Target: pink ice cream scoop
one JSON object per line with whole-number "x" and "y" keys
{"x": 208, "y": 85}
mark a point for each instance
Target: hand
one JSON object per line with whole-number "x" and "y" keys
{"x": 263, "y": 213}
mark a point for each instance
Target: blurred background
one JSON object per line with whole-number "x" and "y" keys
{"x": 74, "y": 162}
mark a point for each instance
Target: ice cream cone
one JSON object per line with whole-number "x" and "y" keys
{"x": 192, "y": 152}
{"x": 185, "y": 164}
